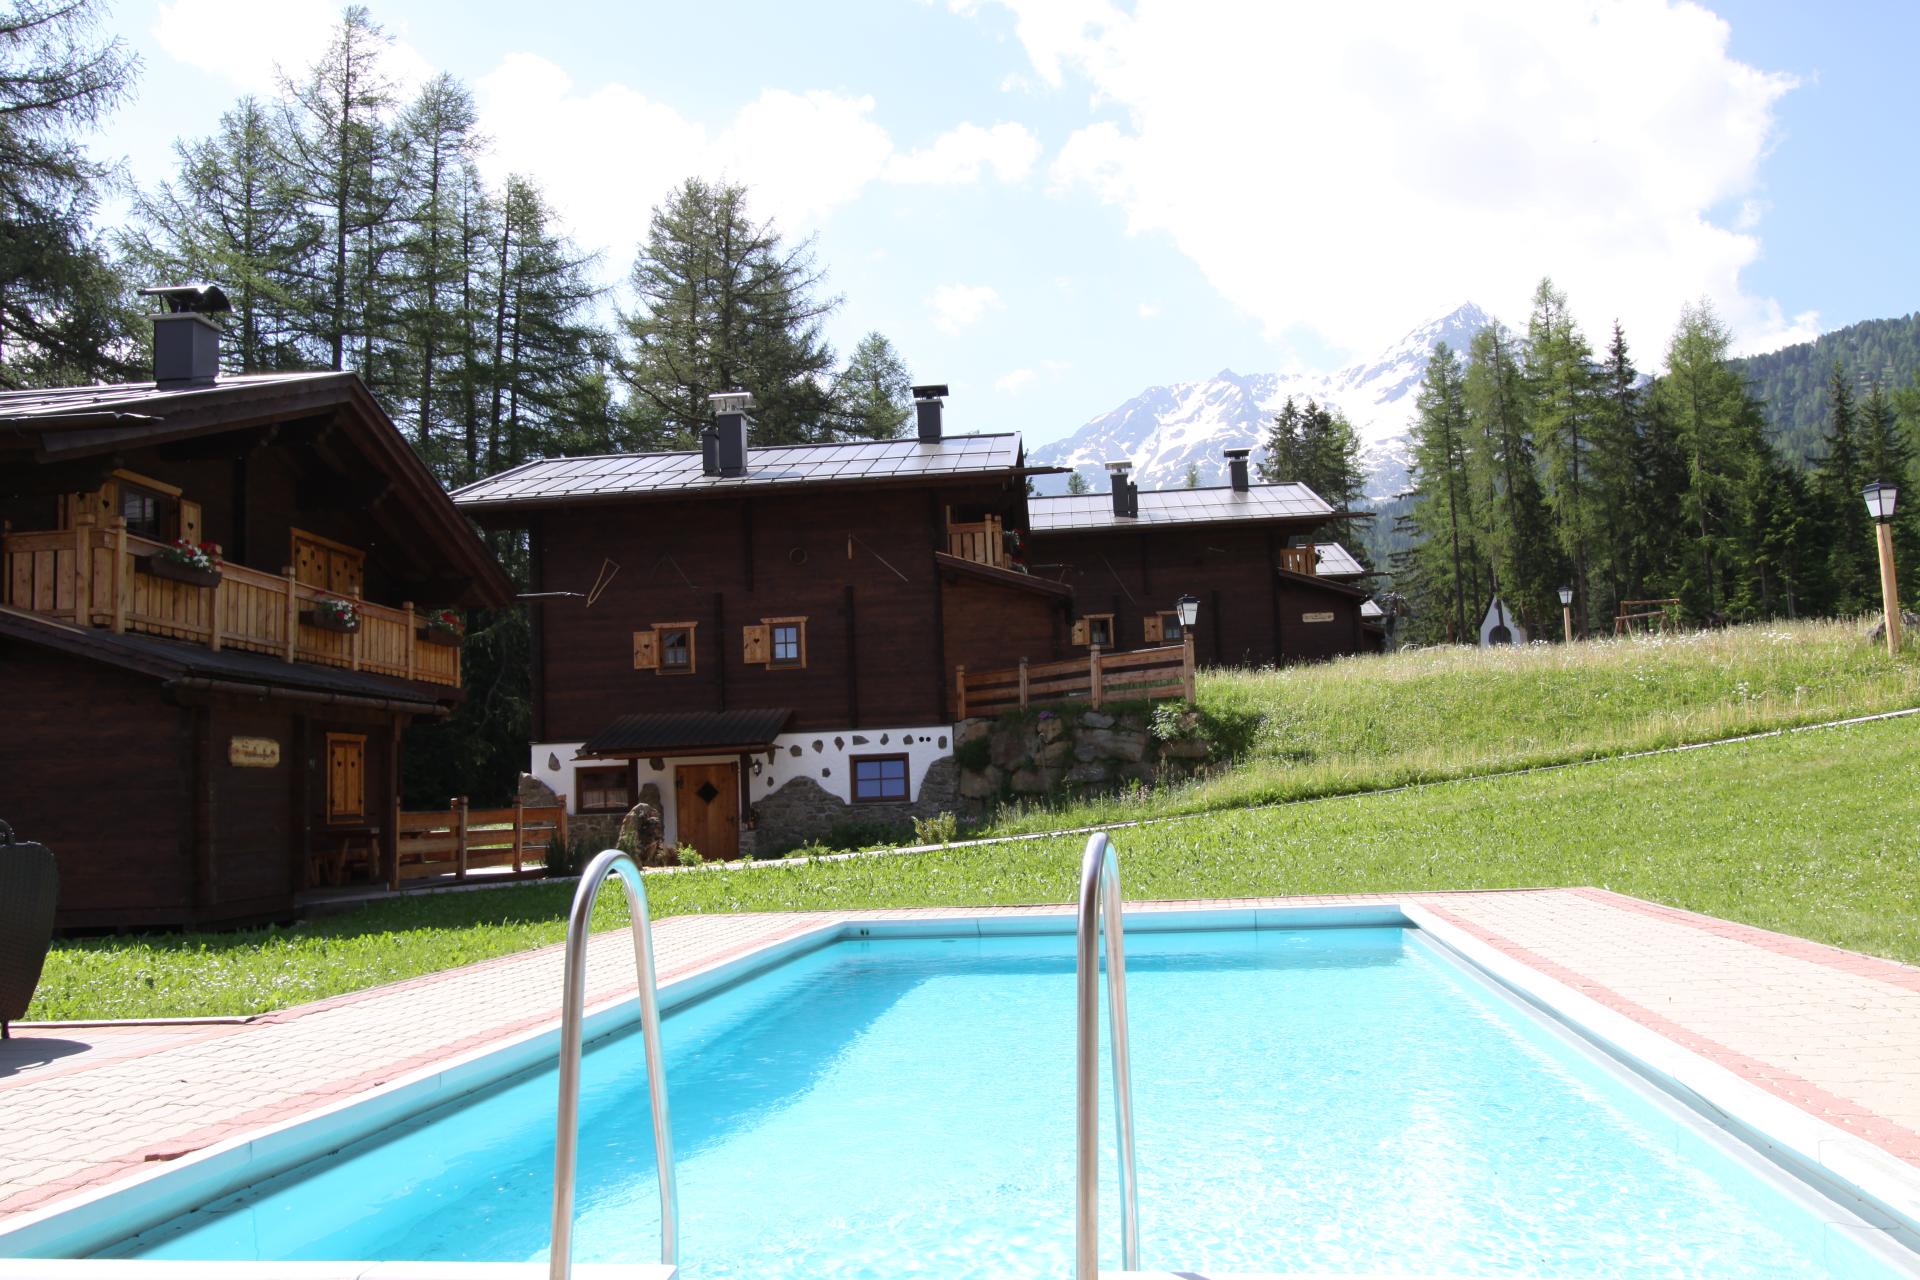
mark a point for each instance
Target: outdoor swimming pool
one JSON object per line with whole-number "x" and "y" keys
{"x": 1333, "y": 1100}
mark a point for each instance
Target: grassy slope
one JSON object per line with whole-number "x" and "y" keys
{"x": 1361, "y": 724}
{"x": 1810, "y": 834}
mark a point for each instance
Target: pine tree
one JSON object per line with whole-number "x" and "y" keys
{"x": 1839, "y": 479}
{"x": 1077, "y": 484}
{"x": 1316, "y": 446}
{"x": 1192, "y": 479}
{"x": 1705, "y": 400}
{"x": 1561, "y": 387}
{"x": 1617, "y": 428}
{"x": 1887, "y": 455}
{"x": 1515, "y": 527}
{"x": 723, "y": 303}
{"x": 62, "y": 316}
{"x": 231, "y": 217}
{"x": 872, "y": 397}
{"x": 1443, "y": 573}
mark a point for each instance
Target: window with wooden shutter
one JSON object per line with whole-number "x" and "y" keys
{"x": 646, "y": 650}
{"x": 676, "y": 652}
{"x": 754, "y": 644}
{"x": 787, "y": 642}
{"x": 1080, "y": 631}
{"x": 191, "y": 529}
{"x": 1151, "y": 625}
{"x": 346, "y": 777}
{"x": 1094, "y": 628}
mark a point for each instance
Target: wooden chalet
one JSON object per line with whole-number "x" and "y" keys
{"x": 762, "y": 640}
{"x": 197, "y": 747}
{"x": 1267, "y": 594}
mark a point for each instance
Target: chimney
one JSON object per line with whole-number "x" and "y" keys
{"x": 1126, "y": 494}
{"x": 926, "y": 407}
{"x": 186, "y": 344}
{"x": 730, "y": 431}
{"x": 709, "y": 451}
{"x": 1237, "y": 468}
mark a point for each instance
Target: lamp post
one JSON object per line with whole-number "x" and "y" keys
{"x": 1880, "y": 498}
{"x": 1566, "y": 611}
{"x": 1188, "y": 609}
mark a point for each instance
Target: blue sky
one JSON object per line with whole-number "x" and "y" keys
{"x": 1051, "y": 204}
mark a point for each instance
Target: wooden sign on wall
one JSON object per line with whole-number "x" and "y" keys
{"x": 1316, "y": 617}
{"x": 253, "y": 753}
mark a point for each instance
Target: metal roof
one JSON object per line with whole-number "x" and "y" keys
{"x": 1178, "y": 506}
{"x": 47, "y": 406}
{"x": 617, "y": 475}
{"x": 1335, "y": 561}
{"x": 1368, "y": 609}
{"x": 672, "y": 733}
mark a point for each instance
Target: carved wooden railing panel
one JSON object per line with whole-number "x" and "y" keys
{"x": 1164, "y": 672}
{"x": 1299, "y": 560}
{"x": 88, "y": 576}
{"x": 980, "y": 542}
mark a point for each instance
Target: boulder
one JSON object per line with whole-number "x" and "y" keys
{"x": 981, "y": 785}
{"x": 971, "y": 730}
{"x": 534, "y": 793}
{"x": 1111, "y": 744}
{"x": 1056, "y": 753}
{"x": 1009, "y": 748}
{"x": 1089, "y": 771}
{"x": 1877, "y": 633}
{"x": 1185, "y": 749}
{"x": 642, "y": 834}
{"x": 1049, "y": 727}
{"x": 1097, "y": 720}
{"x": 1032, "y": 782}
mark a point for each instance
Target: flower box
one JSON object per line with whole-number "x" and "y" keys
{"x": 174, "y": 571}
{"x": 444, "y": 627}
{"x": 331, "y": 620}
{"x": 445, "y": 639}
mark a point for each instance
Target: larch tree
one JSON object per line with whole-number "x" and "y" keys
{"x": 1514, "y": 524}
{"x": 1705, "y": 401}
{"x": 1839, "y": 478}
{"x": 873, "y": 396}
{"x": 1560, "y": 384}
{"x": 62, "y": 318}
{"x": 1446, "y": 561}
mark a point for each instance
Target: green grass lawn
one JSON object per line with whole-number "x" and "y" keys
{"x": 1812, "y": 834}
{"x": 1361, "y": 724}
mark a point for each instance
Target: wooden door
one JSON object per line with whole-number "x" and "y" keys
{"x": 707, "y": 808}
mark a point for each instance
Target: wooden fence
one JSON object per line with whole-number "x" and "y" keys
{"x": 1165, "y": 672}
{"x": 457, "y": 839}
{"x": 90, "y": 576}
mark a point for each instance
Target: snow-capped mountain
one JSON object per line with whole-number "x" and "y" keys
{"x": 1163, "y": 430}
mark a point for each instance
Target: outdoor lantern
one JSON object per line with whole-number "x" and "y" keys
{"x": 1566, "y": 596}
{"x": 1880, "y": 496}
{"x": 1189, "y": 607}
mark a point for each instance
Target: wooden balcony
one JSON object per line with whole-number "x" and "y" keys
{"x": 89, "y": 576}
{"x": 1162, "y": 672}
{"x": 1302, "y": 560}
{"x": 979, "y": 542}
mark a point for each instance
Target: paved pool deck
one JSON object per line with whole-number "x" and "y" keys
{"x": 1834, "y": 1033}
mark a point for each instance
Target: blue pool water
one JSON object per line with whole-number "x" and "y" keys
{"x": 1316, "y": 1100}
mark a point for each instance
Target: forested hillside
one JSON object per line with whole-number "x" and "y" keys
{"x": 1792, "y": 382}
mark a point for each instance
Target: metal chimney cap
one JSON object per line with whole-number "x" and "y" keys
{"x": 1236, "y": 453}
{"x": 1119, "y": 467}
{"x": 199, "y": 299}
{"x": 932, "y": 391}
{"x": 734, "y": 401}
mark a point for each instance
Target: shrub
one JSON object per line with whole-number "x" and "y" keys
{"x": 688, "y": 856}
{"x": 939, "y": 829}
{"x": 974, "y": 755}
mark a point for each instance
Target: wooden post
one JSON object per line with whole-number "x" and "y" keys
{"x": 393, "y": 803}
{"x": 353, "y": 637}
{"x": 82, "y": 573}
{"x": 213, "y": 623}
{"x": 1186, "y": 664}
{"x": 122, "y": 583}
{"x": 1023, "y": 684}
{"x": 960, "y": 692}
{"x": 460, "y": 836}
{"x": 293, "y": 613}
{"x": 1889, "y": 590}
{"x": 1093, "y": 673}
{"x": 413, "y": 635}
{"x": 519, "y": 829}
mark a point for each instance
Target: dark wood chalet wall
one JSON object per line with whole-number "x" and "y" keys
{"x": 1246, "y": 615}
{"x": 990, "y": 627}
{"x": 857, "y": 565}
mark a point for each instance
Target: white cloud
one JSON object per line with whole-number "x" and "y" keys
{"x": 1342, "y": 167}
{"x": 1014, "y": 382}
{"x": 961, "y": 306}
{"x": 962, "y": 154}
{"x": 251, "y": 43}
{"x": 1148, "y": 310}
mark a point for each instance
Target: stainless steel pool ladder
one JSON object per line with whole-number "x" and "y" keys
{"x": 1100, "y": 900}
{"x": 566, "y": 1141}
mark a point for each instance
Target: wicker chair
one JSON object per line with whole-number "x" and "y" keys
{"x": 29, "y": 888}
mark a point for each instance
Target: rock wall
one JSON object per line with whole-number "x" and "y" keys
{"x": 801, "y": 811}
{"x": 1072, "y": 751}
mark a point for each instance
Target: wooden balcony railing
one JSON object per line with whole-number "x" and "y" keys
{"x": 1299, "y": 560}
{"x": 88, "y": 576}
{"x": 980, "y": 542}
{"x": 1165, "y": 672}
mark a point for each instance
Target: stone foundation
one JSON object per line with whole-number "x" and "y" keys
{"x": 803, "y": 812}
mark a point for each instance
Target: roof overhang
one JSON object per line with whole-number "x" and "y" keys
{"x": 1323, "y": 584}
{"x": 974, "y": 570}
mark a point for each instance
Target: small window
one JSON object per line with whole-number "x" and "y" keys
{"x": 1094, "y": 628}
{"x": 787, "y": 642}
{"x": 149, "y": 514}
{"x": 879, "y": 778}
{"x": 676, "y": 647}
{"x": 1170, "y": 628}
{"x": 605, "y": 790}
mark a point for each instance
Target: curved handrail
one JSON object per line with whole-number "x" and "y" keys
{"x": 1100, "y": 901}
{"x": 572, "y": 1008}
